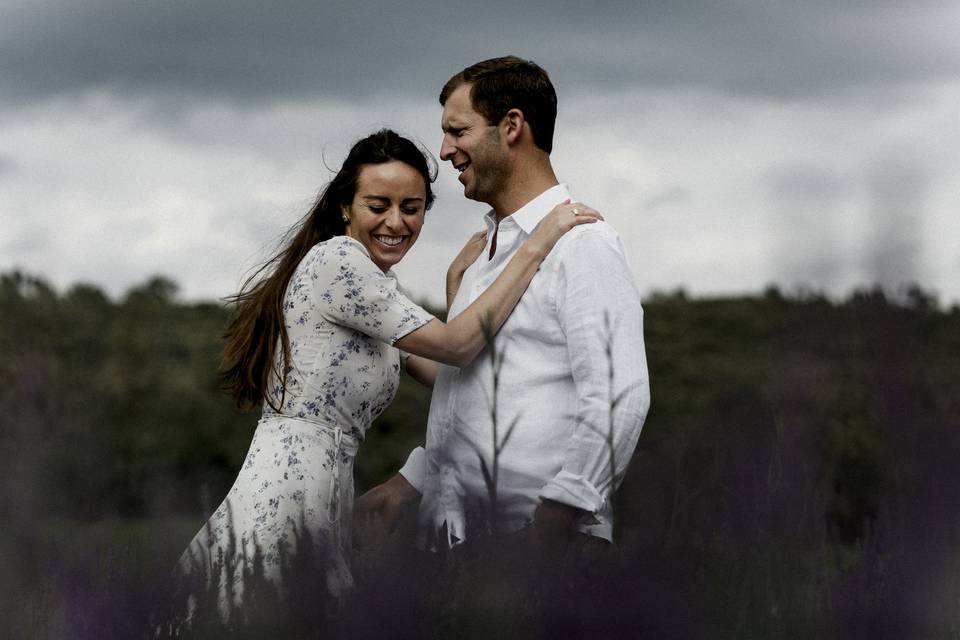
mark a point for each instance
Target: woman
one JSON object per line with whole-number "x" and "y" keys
{"x": 317, "y": 343}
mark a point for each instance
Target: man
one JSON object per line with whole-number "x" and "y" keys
{"x": 548, "y": 445}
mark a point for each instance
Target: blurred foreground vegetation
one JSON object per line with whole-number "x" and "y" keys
{"x": 797, "y": 475}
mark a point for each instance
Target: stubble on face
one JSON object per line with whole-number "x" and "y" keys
{"x": 489, "y": 168}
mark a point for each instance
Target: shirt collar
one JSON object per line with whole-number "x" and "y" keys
{"x": 529, "y": 215}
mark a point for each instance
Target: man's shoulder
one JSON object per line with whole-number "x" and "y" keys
{"x": 596, "y": 236}
{"x": 589, "y": 250}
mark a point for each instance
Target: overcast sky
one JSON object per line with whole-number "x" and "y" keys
{"x": 732, "y": 144}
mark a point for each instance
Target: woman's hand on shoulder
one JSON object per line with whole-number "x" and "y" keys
{"x": 562, "y": 218}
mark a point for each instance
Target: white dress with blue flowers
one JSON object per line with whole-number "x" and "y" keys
{"x": 342, "y": 314}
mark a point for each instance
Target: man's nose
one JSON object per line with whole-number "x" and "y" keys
{"x": 446, "y": 149}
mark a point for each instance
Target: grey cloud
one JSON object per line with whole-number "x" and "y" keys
{"x": 804, "y": 183}
{"x": 8, "y": 165}
{"x": 249, "y": 51}
{"x": 25, "y": 242}
{"x": 252, "y": 227}
{"x": 804, "y": 200}
{"x": 897, "y": 185}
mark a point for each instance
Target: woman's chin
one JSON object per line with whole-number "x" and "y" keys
{"x": 387, "y": 262}
{"x": 391, "y": 256}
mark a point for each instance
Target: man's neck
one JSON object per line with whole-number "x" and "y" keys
{"x": 523, "y": 187}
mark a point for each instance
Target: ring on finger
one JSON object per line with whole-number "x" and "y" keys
{"x": 576, "y": 211}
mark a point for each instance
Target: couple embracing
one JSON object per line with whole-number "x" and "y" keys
{"x": 319, "y": 340}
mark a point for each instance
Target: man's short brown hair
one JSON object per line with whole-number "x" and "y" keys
{"x": 500, "y": 84}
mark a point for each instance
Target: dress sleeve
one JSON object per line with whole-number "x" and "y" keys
{"x": 353, "y": 292}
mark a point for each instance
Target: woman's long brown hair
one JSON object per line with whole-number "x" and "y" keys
{"x": 249, "y": 361}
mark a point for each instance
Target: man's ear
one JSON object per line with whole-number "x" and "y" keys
{"x": 512, "y": 126}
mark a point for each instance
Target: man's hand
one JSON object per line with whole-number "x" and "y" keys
{"x": 382, "y": 506}
{"x": 553, "y": 522}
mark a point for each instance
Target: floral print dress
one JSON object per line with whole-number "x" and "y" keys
{"x": 342, "y": 314}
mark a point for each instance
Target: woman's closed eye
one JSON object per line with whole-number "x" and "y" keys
{"x": 376, "y": 208}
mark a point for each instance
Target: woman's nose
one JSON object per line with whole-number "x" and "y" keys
{"x": 394, "y": 220}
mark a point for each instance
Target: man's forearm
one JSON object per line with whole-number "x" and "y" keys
{"x": 556, "y": 515}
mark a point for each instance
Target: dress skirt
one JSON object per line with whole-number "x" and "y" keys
{"x": 295, "y": 486}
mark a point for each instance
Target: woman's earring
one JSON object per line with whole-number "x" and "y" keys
{"x": 346, "y": 220}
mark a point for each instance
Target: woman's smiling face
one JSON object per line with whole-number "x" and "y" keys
{"x": 387, "y": 210}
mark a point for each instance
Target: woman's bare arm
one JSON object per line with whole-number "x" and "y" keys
{"x": 422, "y": 370}
{"x": 467, "y": 256}
{"x": 458, "y": 342}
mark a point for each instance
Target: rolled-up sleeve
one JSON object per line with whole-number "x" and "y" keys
{"x": 355, "y": 293}
{"x": 415, "y": 468}
{"x": 599, "y": 308}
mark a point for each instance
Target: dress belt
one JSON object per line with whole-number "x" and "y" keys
{"x": 333, "y": 514}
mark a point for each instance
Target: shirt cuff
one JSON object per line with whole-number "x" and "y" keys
{"x": 573, "y": 490}
{"x": 414, "y": 470}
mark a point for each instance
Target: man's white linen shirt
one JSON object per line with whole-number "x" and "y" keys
{"x": 572, "y": 390}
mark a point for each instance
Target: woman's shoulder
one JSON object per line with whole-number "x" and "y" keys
{"x": 335, "y": 252}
